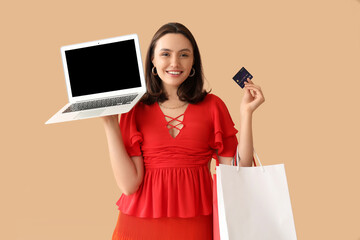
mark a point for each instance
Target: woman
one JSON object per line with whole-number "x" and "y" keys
{"x": 161, "y": 150}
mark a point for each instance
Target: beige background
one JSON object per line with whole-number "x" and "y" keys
{"x": 56, "y": 180}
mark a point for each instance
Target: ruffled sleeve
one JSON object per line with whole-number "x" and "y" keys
{"x": 132, "y": 137}
{"x": 225, "y": 140}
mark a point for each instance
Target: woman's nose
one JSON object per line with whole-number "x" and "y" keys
{"x": 174, "y": 61}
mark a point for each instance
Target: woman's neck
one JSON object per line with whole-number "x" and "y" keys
{"x": 173, "y": 98}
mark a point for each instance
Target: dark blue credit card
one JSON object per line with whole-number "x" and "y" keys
{"x": 241, "y": 77}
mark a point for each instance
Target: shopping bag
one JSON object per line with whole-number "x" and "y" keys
{"x": 254, "y": 203}
{"x": 216, "y": 232}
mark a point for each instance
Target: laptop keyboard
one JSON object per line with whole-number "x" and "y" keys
{"x": 100, "y": 103}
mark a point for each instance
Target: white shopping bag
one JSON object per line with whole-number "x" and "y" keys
{"x": 254, "y": 203}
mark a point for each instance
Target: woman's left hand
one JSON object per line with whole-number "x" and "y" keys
{"x": 252, "y": 98}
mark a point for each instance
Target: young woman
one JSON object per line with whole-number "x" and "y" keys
{"x": 161, "y": 150}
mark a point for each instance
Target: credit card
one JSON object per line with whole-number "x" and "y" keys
{"x": 241, "y": 77}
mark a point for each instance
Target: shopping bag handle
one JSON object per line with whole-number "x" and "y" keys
{"x": 257, "y": 157}
{"x": 237, "y": 160}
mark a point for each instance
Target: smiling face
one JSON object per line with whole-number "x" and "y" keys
{"x": 173, "y": 59}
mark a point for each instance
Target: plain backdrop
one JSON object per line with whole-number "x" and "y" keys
{"x": 56, "y": 180}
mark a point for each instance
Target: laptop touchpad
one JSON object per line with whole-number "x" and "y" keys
{"x": 88, "y": 114}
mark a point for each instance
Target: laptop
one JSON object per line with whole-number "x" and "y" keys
{"x": 103, "y": 77}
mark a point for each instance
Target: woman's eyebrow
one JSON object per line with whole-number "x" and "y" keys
{"x": 169, "y": 50}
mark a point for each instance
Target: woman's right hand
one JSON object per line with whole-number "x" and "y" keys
{"x": 110, "y": 118}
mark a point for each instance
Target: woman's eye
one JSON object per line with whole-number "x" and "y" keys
{"x": 165, "y": 54}
{"x": 184, "y": 55}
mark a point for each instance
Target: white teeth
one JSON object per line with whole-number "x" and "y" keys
{"x": 175, "y": 73}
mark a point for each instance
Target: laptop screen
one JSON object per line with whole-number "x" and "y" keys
{"x": 103, "y": 68}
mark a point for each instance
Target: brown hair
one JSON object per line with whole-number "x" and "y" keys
{"x": 191, "y": 90}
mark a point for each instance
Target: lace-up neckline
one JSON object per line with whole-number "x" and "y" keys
{"x": 174, "y": 125}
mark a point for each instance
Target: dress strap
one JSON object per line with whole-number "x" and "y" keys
{"x": 171, "y": 125}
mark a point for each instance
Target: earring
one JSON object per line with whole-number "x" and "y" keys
{"x": 153, "y": 71}
{"x": 192, "y": 74}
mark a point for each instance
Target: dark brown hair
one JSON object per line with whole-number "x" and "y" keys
{"x": 191, "y": 90}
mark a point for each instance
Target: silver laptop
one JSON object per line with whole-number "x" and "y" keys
{"x": 103, "y": 77}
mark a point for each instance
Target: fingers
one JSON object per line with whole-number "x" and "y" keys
{"x": 250, "y": 83}
{"x": 255, "y": 90}
{"x": 110, "y": 118}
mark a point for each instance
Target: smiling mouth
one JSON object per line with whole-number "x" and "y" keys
{"x": 174, "y": 72}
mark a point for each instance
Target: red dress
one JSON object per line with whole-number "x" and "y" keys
{"x": 175, "y": 199}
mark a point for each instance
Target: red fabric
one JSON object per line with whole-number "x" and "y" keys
{"x": 216, "y": 227}
{"x": 177, "y": 181}
{"x": 133, "y": 228}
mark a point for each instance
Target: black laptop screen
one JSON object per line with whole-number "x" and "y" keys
{"x": 103, "y": 68}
